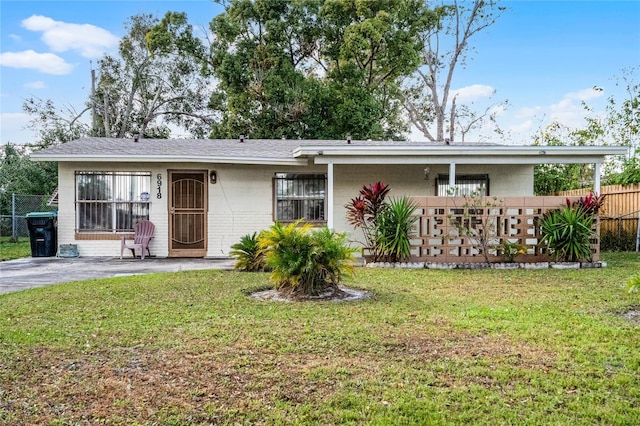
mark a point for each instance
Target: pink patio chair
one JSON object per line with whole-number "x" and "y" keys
{"x": 143, "y": 233}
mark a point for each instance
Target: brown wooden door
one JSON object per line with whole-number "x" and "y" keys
{"x": 188, "y": 213}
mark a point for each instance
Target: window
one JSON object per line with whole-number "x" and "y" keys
{"x": 465, "y": 185}
{"x": 111, "y": 201}
{"x": 299, "y": 196}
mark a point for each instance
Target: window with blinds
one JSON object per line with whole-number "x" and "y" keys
{"x": 111, "y": 201}
{"x": 465, "y": 185}
{"x": 299, "y": 196}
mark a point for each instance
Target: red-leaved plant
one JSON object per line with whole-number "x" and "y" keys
{"x": 591, "y": 204}
{"x": 363, "y": 210}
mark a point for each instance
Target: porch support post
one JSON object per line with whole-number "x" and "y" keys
{"x": 596, "y": 181}
{"x": 330, "y": 195}
{"x": 452, "y": 176}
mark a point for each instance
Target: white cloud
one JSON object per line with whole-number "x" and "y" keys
{"x": 12, "y": 125}
{"x": 569, "y": 110}
{"x": 473, "y": 92}
{"x": 47, "y": 63}
{"x": 35, "y": 85}
{"x": 584, "y": 94}
{"x": 89, "y": 40}
{"x": 14, "y": 37}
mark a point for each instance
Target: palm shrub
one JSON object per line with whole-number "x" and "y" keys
{"x": 567, "y": 233}
{"x": 248, "y": 254}
{"x": 393, "y": 229}
{"x": 305, "y": 263}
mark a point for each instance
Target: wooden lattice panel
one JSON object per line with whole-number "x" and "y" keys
{"x": 512, "y": 218}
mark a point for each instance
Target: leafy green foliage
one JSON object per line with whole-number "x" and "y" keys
{"x": 510, "y": 250}
{"x": 248, "y": 254}
{"x": 305, "y": 69}
{"x": 567, "y": 233}
{"x": 145, "y": 83}
{"x": 629, "y": 174}
{"x": 619, "y": 125}
{"x": 20, "y": 175}
{"x": 394, "y": 227}
{"x": 304, "y": 262}
{"x": 633, "y": 284}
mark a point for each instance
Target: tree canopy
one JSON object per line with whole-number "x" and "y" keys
{"x": 619, "y": 125}
{"x": 306, "y": 69}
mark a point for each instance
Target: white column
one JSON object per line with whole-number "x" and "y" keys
{"x": 330, "y": 195}
{"x": 596, "y": 181}
{"x": 452, "y": 176}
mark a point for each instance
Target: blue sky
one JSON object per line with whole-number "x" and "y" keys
{"x": 543, "y": 56}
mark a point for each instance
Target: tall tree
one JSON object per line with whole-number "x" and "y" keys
{"x": 53, "y": 124}
{"x": 307, "y": 68}
{"x": 20, "y": 175}
{"x": 427, "y": 95}
{"x": 142, "y": 91}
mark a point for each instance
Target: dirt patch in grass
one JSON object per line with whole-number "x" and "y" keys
{"x": 231, "y": 384}
{"x": 455, "y": 345}
{"x": 632, "y": 315}
{"x": 333, "y": 294}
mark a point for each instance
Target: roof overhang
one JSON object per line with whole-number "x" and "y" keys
{"x": 460, "y": 155}
{"x": 106, "y": 158}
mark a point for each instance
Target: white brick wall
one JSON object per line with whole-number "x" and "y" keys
{"x": 241, "y": 201}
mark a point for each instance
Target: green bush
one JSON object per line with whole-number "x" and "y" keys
{"x": 567, "y": 233}
{"x": 249, "y": 256}
{"x": 633, "y": 284}
{"x": 304, "y": 262}
{"x": 614, "y": 241}
{"x": 393, "y": 229}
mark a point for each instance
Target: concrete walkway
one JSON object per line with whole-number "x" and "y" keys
{"x": 30, "y": 272}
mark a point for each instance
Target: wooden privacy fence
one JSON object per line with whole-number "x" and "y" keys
{"x": 513, "y": 219}
{"x": 620, "y": 213}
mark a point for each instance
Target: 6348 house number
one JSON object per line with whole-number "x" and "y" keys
{"x": 159, "y": 186}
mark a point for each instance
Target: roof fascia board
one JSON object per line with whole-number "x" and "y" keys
{"x": 164, "y": 159}
{"x": 426, "y": 159}
{"x": 507, "y": 151}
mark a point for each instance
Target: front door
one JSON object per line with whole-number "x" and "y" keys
{"x": 188, "y": 213}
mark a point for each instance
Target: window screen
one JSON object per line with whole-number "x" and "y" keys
{"x": 299, "y": 196}
{"x": 465, "y": 185}
{"x": 111, "y": 201}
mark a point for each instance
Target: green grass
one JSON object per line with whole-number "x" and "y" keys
{"x": 431, "y": 347}
{"x": 14, "y": 250}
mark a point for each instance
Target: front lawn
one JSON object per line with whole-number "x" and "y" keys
{"x": 432, "y": 347}
{"x": 10, "y": 250}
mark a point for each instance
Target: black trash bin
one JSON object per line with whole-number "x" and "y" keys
{"x": 43, "y": 233}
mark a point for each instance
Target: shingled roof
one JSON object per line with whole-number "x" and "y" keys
{"x": 298, "y": 152}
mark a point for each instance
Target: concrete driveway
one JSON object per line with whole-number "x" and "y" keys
{"x": 30, "y": 272}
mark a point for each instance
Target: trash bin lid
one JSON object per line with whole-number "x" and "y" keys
{"x": 42, "y": 214}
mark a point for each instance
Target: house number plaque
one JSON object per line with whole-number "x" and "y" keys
{"x": 159, "y": 186}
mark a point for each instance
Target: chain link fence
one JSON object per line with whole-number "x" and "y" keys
{"x": 620, "y": 233}
{"x": 12, "y": 220}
